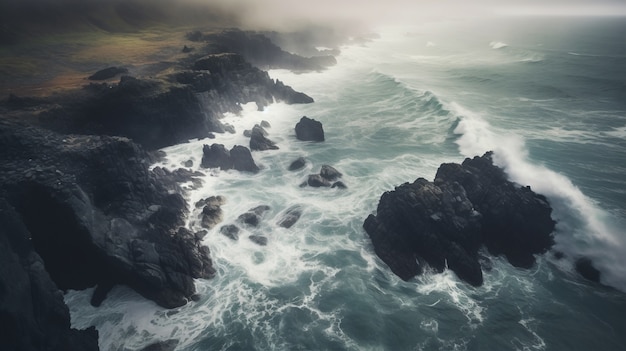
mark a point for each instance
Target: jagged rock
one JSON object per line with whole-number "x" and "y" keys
{"x": 97, "y": 214}
{"x": 188, "y": 163}
{"x": 231, "y": 231}
{"x": 468, "y": 206}
{"x": 317, "y": 181}
{"x": 584, "y": 267}
{"x": 309, "y": 130}
{"x": 259, "y": 142}
{"x": 330, "y": 173}
{"x": 258, "y": 239}
{"x": 239, "y": 158}
{"x": 297, "y": 164}
{"x": 265, "y": 124}
{"x": 216, "y": 156}
{"x": 242, "y": 159}
{"x": 290, "y": 217}
{"x": 107, "y": 73}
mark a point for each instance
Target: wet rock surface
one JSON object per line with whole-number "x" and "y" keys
{"x": 468, "y": 206}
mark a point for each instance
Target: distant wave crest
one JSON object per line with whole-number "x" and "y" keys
{"x": 498, "y": 45}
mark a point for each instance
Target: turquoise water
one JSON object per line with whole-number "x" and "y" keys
{"x": 547, "y": 95}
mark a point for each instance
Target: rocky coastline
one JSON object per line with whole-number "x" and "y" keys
{"x": 80, "y": 206}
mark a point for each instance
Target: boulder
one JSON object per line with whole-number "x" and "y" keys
{"x": 258, "y": 239}
{"x": 231, "y": 231}
{"x": 290, "y": 217}
{"x": 309, "y": 130}
{"x": 242, "y": 159}
{"x": 212, "y": 213}
{"x": 216, "y": 156}
{"x": 298, "y": 164}
{"x": 330, "y": 173}
{"x": 253, "y": 216}
{"x": 259, "y": 142}
{"x": 447, "y": 221}
{"x": 317, "y": 181}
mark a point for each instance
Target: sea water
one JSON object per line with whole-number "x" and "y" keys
{"x": 547, "y": 95}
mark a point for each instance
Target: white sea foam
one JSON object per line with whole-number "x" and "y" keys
{"x": 583, "y": 229}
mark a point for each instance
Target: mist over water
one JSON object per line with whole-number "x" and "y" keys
{"x": 548, "y": 102}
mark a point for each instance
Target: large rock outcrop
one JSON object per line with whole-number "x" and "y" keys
{"x": 238, "y": 158}
{"x": 97, "y": 215}
{"x": 308, "y": 129}
{"x": 446, "y": 222}
{"x": 167, "y": 109}
{"x": 33, "y": 315}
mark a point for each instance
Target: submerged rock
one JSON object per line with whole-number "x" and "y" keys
{"x": 449, "y": 220}
{"x": 309, "y": 130}
{"x": 297, "y": 164}
{"x": 330, "y": 173}
{"x": 584, "y": 267}
{"x": 258, "y": 239}
{"x": 231, "y": 231}
{"x": 290, "y": 217}
{"x": 253, "y": 216}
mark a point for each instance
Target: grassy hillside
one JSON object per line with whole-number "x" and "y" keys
{"x": 47, "y": 44}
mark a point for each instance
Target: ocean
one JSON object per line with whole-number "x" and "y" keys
{"x": 547, "y": 95}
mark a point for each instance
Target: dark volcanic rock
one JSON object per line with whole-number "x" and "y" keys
{"x": 216, "y": 156}
{"x": 317, "y": 181}
{"x": 211, "y": 212}
{"x": 258, "y": 239}
{"x": 33, "y": 315}
{"x": 330, "y": 173}
{"x": 584, "y": 267}
{"x": 97, "y": 215}
{"x": 290, "y": 217}
{"x": 253, "y": 216}
{"x": 242, "y": 159}
{"x": 107, "y": 73}
{"x": 309, "y": 130}
{"x": 468, "y": 206}
{"x": 239, "y": 158}
{"x": 259, "y": 142}
{"x": 231, "y": 231}
{"x": 297, "y": 164}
